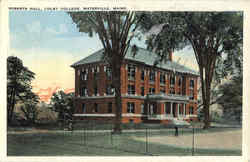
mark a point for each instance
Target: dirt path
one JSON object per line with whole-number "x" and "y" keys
{"x": 219, "y": 140}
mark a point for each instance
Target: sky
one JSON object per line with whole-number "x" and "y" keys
{"x": 48, "y": 42}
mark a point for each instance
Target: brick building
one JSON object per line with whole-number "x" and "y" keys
{"x": 150, "y": 92}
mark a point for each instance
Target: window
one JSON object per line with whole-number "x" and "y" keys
{"x": 172, "y": 81}
{"x": 142, "y": 91}
{"x": 83, "y": 91}
{"x": 84, "y": 75}
{"x": 191, "y": 110}
{"x": 131, "y": 89}
{"x": 95, "y": 90}
{"x": 167, "y": 108}
{"x": 131, "y": 72}
{"x": 131, "y": 107}
{"x": 96, "y": 69}
{"x": 179, "y": 81}
{"x": 142, "y": 108}
{"x": 162, "y": 90}
{"x": 83, "y": 108}
{"x": 152, "y": 109}
{"x": 181, "y": 110}
{"x": 110, "y": 90}
{"x": 191, "y": 84}
{"x": 191, "y": 96}
{"x": 109, "y": 73}
{"x": 151, "y": 90}
{"x": 95, "y": 107}
{"x": 152, "y": 76}
{"x": 172, "y": 91}
{"x": 162, "y": 78}
{"x": 142, "y": 74}
{"x": 110, "y": 107}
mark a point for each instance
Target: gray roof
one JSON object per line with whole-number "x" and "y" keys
{"x": 143, "y": 56}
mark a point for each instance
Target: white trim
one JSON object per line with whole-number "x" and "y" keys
{"x": 131, "y": 115}
{"x": 160, "y": 117}
{"x": 95, "y": 115}
{"x": 171, "y": 108}
{"x": 191, "y": 115}
{"x": 178, "y": 109}
{"x": 109, "y": 115}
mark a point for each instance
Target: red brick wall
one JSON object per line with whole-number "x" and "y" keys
{"x": 102, "y": 82}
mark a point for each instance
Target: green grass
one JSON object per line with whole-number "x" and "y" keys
{"x": 82, "y": 143}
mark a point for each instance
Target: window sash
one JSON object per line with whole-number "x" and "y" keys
{"x": 142, "y": 91}
{"x": 191, "y": 110}
{"x": 131, "y": 89}
{"x": 131, "y": 71}
{"x": 162, "y": 78}
{"x": 191, "y": 85}
{"x": 83, "y": 108}
{"x": 131, "y": 107}
{"x": 152, "y": 76}
{"x": 142, "y": 75}
{"x": 142, "y": 108}
{"x": 167, "y": 109}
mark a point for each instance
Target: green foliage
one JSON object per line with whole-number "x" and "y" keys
{"x": 63, "y": 104}
{"x": 19, "y": 86}
{"x": 231, "y": 98}
{"x": 30, "y": 112}
{"x": 210, "y": 34}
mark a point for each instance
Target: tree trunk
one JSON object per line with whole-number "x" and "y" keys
{"x": 118, "y": 103}
{"x": 11, "y": 106}
{"x": 207, "y": 105}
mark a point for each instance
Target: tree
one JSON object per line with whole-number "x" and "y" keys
{"x": 19, "y": 86}
{"x": 210, "y": 34}
{"x": 63, "y": 104}
{"x": 30, "y": 112}
{"x": 231, "y": 98}
{"x": 115, "y": 30}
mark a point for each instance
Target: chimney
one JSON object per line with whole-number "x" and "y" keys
{"x": 170, "y": 55}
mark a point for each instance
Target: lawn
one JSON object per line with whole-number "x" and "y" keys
{"x": 102, "y": 143}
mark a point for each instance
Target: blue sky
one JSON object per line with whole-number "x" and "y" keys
{"x": 48, "y": 43}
